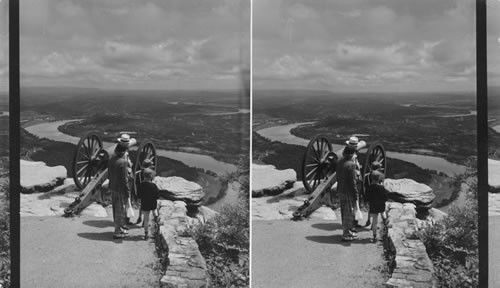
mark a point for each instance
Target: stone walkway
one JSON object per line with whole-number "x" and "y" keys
{"x": 309, "y": 253}
{"x": 80, "y": 252}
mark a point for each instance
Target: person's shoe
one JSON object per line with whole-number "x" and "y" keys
{"x": 348, "y": 238}
{"x": 124, "y": 227}
{"x": 120, "y": 235}
{"x": 374, "y": 239}
{"x": 146, "y": 236}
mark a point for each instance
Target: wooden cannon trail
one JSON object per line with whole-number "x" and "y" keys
{"x": 90, "y": 168}
{"x": 319, "y": 175}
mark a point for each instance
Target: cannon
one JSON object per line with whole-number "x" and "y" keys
{"x": 90, "y": 167}
{"x": 319, "y": 175}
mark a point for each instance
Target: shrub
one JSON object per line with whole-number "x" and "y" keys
{"x": 224, "y": 242}
{"x": 452, "y": 244}
{"x": 4, "y": 236}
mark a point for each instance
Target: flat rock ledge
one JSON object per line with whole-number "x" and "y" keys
{"x": 54, "y": 202}
{"x": 38, "y": 177}
{"x": 282, "y": 206}
{"x": 410, "y": 191}
{"x": 493, "y": 176}
{"x": 413, "y": 267}
{"x": 493, "y": 204}
{"x": 186, "y": 266}
{"x": 179, "y": 189}
{"x": 269, "y": 181}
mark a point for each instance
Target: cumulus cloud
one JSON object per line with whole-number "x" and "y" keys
{"x": 145, "y": 43}
{"x": 363, "y": 43}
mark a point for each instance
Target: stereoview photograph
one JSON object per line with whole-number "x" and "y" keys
{"x": 493, "y": 73}
{"x": 4, "y": 147}
{"x": 364, "y": 134}
{"x": 135, "y": 143}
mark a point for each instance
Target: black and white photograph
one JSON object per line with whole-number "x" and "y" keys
{"x": 4, "y": 147}
{"x": 364, "y": 134}
{"x": 135, "y": 143}
{"x": 493, "y": 78}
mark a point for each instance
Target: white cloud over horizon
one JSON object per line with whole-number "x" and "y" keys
{"x": 177, "y": 44}
{"x": 364, "y": 45}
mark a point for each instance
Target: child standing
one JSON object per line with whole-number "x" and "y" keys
{"x": 147, "y": 191}
{"x": 376, "y": 195}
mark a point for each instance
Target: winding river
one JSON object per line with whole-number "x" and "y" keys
{"x": 282, "y": 134}
{"x": 49, "y": 130}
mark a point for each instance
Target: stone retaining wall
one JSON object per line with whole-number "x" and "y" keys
{"x": 412, "y": 265}
{"x": 186, "y": 266}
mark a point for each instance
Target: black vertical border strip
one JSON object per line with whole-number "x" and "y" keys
{"x": 482, "y": 140}
{"x": 14, "y": 142}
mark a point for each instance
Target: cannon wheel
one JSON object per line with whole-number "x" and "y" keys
{"x": 85, "y": 161}
{"x": 376, "y": 153}
{"x": 146, "y": 151}
{"x": 315, "y": 164}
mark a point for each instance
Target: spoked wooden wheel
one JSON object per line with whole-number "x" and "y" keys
{"x": 86, "y": 160}
{"x": 318, "y": 161}
{"x": 146, "y": 158}
{"x": 375, "y": 160}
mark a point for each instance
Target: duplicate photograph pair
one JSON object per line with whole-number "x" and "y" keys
{"x": 263, "y": 143}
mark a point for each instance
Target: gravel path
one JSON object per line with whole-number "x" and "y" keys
{"x": 310, "y": 254}
{"x": 80, "y": 252}
{"x": 493, "y": 251}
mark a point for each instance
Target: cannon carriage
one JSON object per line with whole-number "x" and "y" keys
{"x": 90, "y": 169}
{"x": 319, "y": 165}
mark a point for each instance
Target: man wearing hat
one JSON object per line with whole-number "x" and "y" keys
{"x": 126, "y": 141}
{"x": 118, "y": 175}
{"x": 347, "y": 186}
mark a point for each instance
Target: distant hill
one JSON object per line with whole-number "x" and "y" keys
{"x": 308, "y": 105}
{"x": 33, "y": 96}
{"x": 494, "y": 97}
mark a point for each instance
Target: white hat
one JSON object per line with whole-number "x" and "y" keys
{"x": 125, "y": 139}
{"x": 353, "y": 142}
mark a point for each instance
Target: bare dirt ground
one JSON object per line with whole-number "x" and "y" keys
{"x": 310, "y": 253}
{"x": 493, "y": 251}
{"x": 81, "y": 252}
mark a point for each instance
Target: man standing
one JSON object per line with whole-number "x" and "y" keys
{"x": 347, "y": 188}
{"x": 120, "y": 188}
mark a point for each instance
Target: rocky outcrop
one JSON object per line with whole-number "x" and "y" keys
{"x": 283, "y": 205}
{"x": 186, "y": 266}
{"x": 410, "y": 191}
{"x": 493, "y": 204}
{"x": 54, "y": 202}
{"x": 268, "y": 181}
{"x": 412, "y": 266}
{"x": 179, "y": 189}
{"x": 38, "y": 177}
{"x": 494, "y": 176}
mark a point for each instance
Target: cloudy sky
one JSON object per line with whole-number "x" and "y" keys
{"x": 364, "y": 45}
{"x": 493, "y": 46}
{"x": 4, "y": 46}
{"x": 147, "y": 44}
